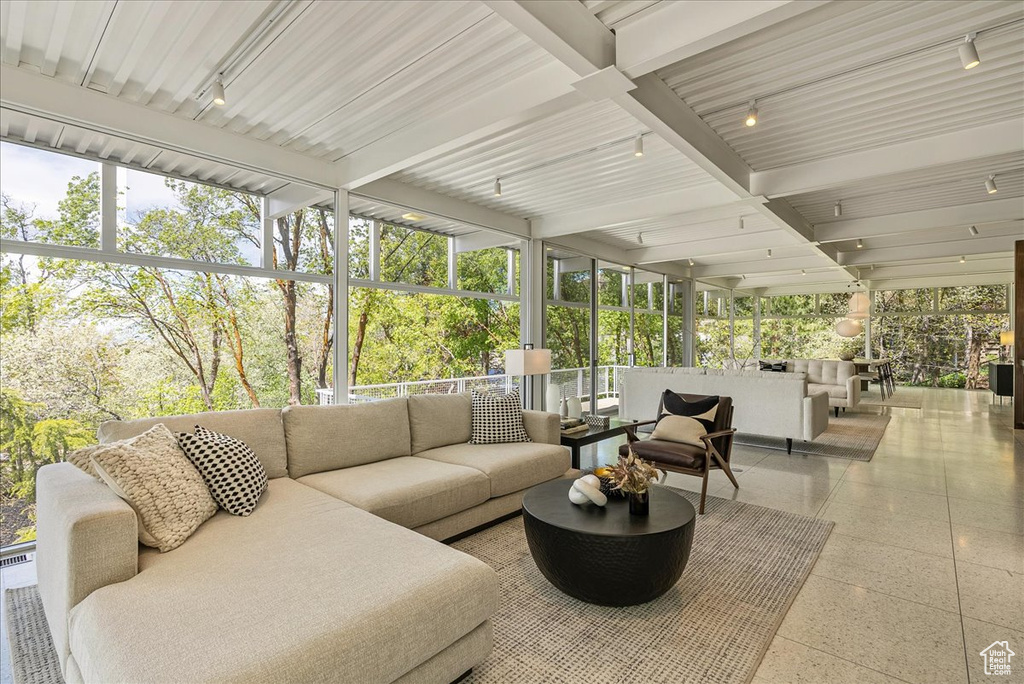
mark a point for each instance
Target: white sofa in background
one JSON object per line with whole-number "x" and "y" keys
{"x": 764, "y": 403}
{"x": 335, "y": 577}
{"x": 838, "y": 378}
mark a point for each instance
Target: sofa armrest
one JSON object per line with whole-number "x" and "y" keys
{"x": 542, "y": 426}
{"x": 815, "y": 414}
{"x": 87, "y": 538}
{"x": 853, "y": 391}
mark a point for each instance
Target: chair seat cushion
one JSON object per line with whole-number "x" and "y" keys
{"x": 669, "y": 453}
{"x": 306, "y": 589}
{"x": 835, "y": 391}
{"x": 408, "y": 490}
{"x": 509, "y": 467}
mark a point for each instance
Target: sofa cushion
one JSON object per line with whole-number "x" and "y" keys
{"x": 409, "y": 490}
{"x": 306, "y": 589}
{"x": 669, "y": 453}
{"x": 259, "y": 428}
{"x": 437, "y": 420}
{"x": 323, "y": 438}
{"x": 509, "y": 467}
{"x": 836, "y": 391}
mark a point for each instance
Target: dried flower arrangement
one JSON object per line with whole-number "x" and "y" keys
{"x": 631, "y": 474}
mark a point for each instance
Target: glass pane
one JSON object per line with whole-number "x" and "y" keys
{"x": 569, "y": 279}
{"x": 973, "y": 298}
{"x": 743, "y": 307}
{"x": 743, "y": 342}
{"x": 486, "y": 270}
{"x": 712, "y": 344}
{"x": 788, "y": 305}
{"x": 803, "y": 338}
{"x": 610, "y": 283}
{"x": 676, "y": 338}
{"x": 359, "y": 247}
{"x": 173, "y": 218}
{"x": 412, "y": 256}
{"x": 834, "y": 303}
{"x": 49, "y": 197}
{"x": 648, "y": 334}
{"x": 903, "y": 301}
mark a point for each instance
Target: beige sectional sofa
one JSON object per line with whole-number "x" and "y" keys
{"x": 838, "y": 379}
{"x": 335, "y": 577}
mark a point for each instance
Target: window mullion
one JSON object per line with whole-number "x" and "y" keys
{"x": 108, "y": 208}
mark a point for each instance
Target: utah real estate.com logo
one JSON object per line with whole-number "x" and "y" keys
{"x": 997, "y": 658}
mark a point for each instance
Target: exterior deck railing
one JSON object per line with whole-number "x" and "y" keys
{"x": 573, "y": 381}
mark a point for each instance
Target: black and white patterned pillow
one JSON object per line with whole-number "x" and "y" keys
{"x": 231, "y": 470}
{"x": 498, "y": 419}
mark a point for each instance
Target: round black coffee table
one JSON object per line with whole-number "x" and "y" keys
{"x": 605, "y": 555}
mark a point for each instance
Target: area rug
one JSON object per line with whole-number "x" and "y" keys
{"x": 33, "y": 658}
{"x": 747, "y": 565}
{"x": 852, "y": 435}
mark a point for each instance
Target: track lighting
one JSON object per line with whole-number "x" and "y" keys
{"x": 803, "y": 271}
{"x": 963, "y": 260}
{"x": 638, "y": 145}
{"x": 741, "y": 223}
{"x": 839, "y": 209}
{"x": 973, "y": 230}
{"x": 860, "y": 244}
{"x": 968, "y": 52}
{"x": 769, "y": 254}
{"x": 640, "y": 238}
{"x": 990, "y": 185}
{"x": 217, "y": 90}
{"x": 690, "y": 261}
{"x": 497, "y": 187}
{"x": 751, "y": 120}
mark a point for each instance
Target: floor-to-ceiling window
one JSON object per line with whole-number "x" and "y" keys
{"x": 712, "y": 346}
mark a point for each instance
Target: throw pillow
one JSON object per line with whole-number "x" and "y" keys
{"x": 153, "y": 475}
{"x": 82, "y": 458}
{"x": 234, "y": 475}
{"x": 685, "y": 421}
{"x": 773, "y": 367}
{"x": 497, "y": 419}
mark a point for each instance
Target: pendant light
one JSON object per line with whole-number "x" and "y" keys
{"x": 968, "y": 52}
{"x": 860, "y": 306}
{"x": 849, "y": 328}
{"x": 497, "y": 187}
{"x": 638, "y": 145}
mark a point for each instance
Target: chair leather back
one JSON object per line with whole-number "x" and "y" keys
{"x": 723, "y": 420}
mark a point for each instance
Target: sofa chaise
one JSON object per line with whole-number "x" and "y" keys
{"x": 335, "y": 577}
{"x": 764, "y": 403}
{"x": 839, "y": 379}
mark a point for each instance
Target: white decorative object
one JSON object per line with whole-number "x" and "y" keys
{"x": 553, "y": 399}
{"x": 849, "y": 328}
{"x": 860, "y": 306}
{"x": 564, "y": 410}
{"x": 587, "y": 489}
{"x": 574, "y": 407}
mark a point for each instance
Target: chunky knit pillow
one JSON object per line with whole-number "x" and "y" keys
{"x": 231, "y": 470}
{"x": 497, "y": 419}
{"x": 151, "y": 473}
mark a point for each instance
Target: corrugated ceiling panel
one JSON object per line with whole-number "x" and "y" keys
{"x": 830, "y": 111}
{"x": 614, "y": 12}
{"x": 572, "y": 160}
{"x": 385, "y": 212}
{"x": 942, "y": 186}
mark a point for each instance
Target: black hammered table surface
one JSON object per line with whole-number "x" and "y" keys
{"x": 550, "y": 503}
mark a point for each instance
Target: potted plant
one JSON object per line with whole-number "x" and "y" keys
{"x": 634, "y": 476}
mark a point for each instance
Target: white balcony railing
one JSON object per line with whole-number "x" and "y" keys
{"x": 573, "y": 381}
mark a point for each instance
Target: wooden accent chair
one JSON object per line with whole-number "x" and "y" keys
{"x": 687, "y": 458}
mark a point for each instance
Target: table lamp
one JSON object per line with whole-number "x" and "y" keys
{"x": 528, "y": 362}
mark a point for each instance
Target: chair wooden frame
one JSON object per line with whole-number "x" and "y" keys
{"x": 713, "y": 459}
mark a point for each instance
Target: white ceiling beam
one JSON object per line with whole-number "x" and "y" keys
{"x": 985, "y": 230}
{"x": 482, "y": 239}
{"x": 14, "y": 34}
{"x": 712, "y": 246}
{"x": 978, "y": 142}
{"x": 997, "y": 264}
{"x": 935, "y": 250}
{"x": 58, "y": 32}
{"x": 293, "y": 197}
{"x": 605, "y": 252}
{"x": 944, "y": 281}
{"x": 702, "y": 198}
{"x": 759, "y": 266}
{"x": 990, "y": 211}
{"x": 674, "y": 31}
{"x": 531, "y": 97}
{"x": 51, "y": 99}
{"x": 412, "y": 198}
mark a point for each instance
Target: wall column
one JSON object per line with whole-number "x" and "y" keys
{"x": 340, "y": 330}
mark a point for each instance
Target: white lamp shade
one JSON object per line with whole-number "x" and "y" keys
{"x": 1006, "y": 338}
{"x": 527, "y": 361}
{"x": 849, "y": 328}
{"x": 860, "y": 306}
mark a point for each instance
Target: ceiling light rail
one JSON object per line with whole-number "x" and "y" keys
{"x": 959, "y": 40}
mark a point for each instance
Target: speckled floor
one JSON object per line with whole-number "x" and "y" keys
{"x": 924, "y": 568}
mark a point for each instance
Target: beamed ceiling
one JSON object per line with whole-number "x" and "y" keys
{"x": 422, "y": 105}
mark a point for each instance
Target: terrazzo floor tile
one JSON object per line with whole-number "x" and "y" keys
{"x": 989, "y": 547}
{"x": 991, "y": 595}
{"x": 789, "y": 662}
{"x": 884, "y": 527}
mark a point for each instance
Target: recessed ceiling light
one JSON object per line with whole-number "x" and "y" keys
{"x": 990, "y": 185}
{"x": 217, "y": 91}
{"x": 497, "y": 187}
{"x": 412, "y": 216}
{"x": 968, "y": 52}
{"x": 973, "y": 230}
{"x": 638, "y": 145}
{"x": 751, "y": 119}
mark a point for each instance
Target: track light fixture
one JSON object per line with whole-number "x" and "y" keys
{"x": 803, "y": 271}
{"x": 638, "y": 145}
{"x": 742, "y": 226}
{"x": 839, "y": 209}
{"x": 751, "y": 119}
{"x": 990, "y": 185}
{"x": 973, "y": 230}
{"x": 497, "y": 187}
{"x": 963, "y": 260}
{"x": 968, "y": 52}
{"x": 769, "y": 254}
{"x": 690, "y": 261}
{"x": 640, "y": 238}
{"x": 217, "y": 90}
{"x": 860, "y": 244}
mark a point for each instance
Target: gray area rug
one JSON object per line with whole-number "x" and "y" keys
{"x": 714, "y": 626}
{"x": 747, "y": 565}
{"x": 852, "y": 435}
{"x": 33, "y": 658}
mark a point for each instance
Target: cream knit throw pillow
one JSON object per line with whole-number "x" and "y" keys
{"x": 155, "y": 477}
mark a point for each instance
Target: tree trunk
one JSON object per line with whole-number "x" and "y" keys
{"x": 291, "y": 343}
{"x": 357, "y": 348}
{"x": 973, "y": 358}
